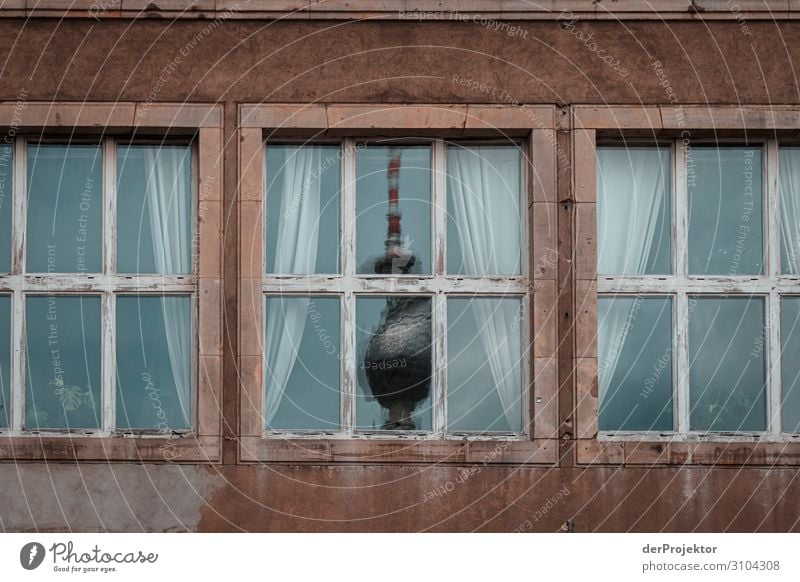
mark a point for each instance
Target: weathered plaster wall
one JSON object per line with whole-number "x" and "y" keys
{"x": 115, "y": 497}
{"x": 397, "y": 61}
{"x": 249, "y": 61}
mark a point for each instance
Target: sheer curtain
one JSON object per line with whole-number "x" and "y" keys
{"x": 484, "y": 190}
{"x": 296, "y": 254}
{"x": 790, "y": 210}
{"x": 631, "y": 192}
{"x": 169, "y": 207}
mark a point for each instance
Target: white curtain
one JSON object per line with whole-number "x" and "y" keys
{"x": 484, "y": 195}
{"x": 631, "y": 191}
{"x": 790, "y": 209}
{"x": 169, "y": 207}
{"x": 296, "y": 253}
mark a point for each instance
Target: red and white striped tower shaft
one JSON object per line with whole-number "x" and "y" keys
{"x": 393, "y": 240}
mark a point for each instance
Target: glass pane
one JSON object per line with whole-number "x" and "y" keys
{"x": 393, "y": 210}
{"x": 790, "y": 363}
{"x": 5, "y": 361}
{"x": 154, "y": 357}
{"x": 724, "y": 210}
{"x": 6, "y": 207}
{"x": 65, "y": 209}
{"x": 726, "y": 364}
{"x": 484, "y": 368}
{"x": 62, "y": 362}
{"x": 634, "y": 214}
{"x": 394, "y": 361}
{"x": 634, "y": 347}
{"x": 483, "y": 210}
{"x": 301, "y": 372}
{"x": 789, "y": 161}
{"x": 154, "y": 209}
{"x": 302, "y": 209}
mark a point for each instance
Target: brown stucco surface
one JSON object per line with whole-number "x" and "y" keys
{"x": 250, "y": 61}
{"x": 338, "y": 61}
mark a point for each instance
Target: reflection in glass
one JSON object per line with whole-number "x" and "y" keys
{"x": 484, "y": 368}
{"x": 394, "y": 360}
{"x": 301, "y": 371}
{"x": 634, "y": 218}
{"x": 724, "y": 210}
{"x": 65, "y": 209}
{"x": 790, "y": 363}
{"x": 634, "y": 346}
{"x": 394, "y": 182}
{"x": 302, "y": 209}
{"x": 154, "y": 209}
{"x": 726, "y": 364}
{"x": 154, "y": 356}
{"x": 483, "y": 202}
{"x": 62, "y": 362}
{"x": 5, "y": 360}
{"x": 6, "y": 207}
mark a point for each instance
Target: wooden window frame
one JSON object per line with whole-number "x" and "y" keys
{"x": 534, "y": 125}
{"x": 723, "y": 124}
{"x": 108, "y": 125}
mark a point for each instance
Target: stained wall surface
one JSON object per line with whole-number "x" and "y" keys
{"x": 238, "y": 61}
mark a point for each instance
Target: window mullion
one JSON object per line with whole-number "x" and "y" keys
{"x": 773, "y": 342}
{"x": 348, "y": 307}
{"x": 681, "y": 362}
{"x": 17, "y": 377}
{"x": 681, "y": 241}
{"x": 773, "y": 250}
{"x": 439, "y": 227}
{"x": 439, "y": 364}
{"x": 773, "y": 269}
{"x": 108, "y": 363}
{"x": 681, "y": 206}
{"x": 439, "y": 197}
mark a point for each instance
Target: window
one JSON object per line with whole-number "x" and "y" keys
{"x": 394, "y": 288}
{"x": 698, "y": 287}
{"x": 99, "y": 287}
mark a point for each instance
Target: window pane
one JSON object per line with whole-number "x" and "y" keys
{"x": 5, "y": 361}
{"x": 634, "y": 215}
{"x": 634, "y": 347}
{"x": 393, "y": 210}
{"x": 6, "y": 207}
{"x": 154, "y": 209}
{"x": 724, "y": 210}
{"x": 790, "y": 363}
{"x": 483, "y": 210}
{"x": 65, "y": 209}
{"x": 302, "y": 209}
{"x": 726, "y": 364}
{"x": 301, "y": 373}
{"x": 62, "y": 362}
{"x": 484, "y": 373}
{"x": 789, "y": 161}
{"x": 394, "y": 360}
{"x": 154, "y": 357}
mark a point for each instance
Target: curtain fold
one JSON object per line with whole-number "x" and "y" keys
{"x": 631, "y": 194}
{"x": 484, "y": 195}
{"x": 790, "y": 210}
{"x": 297, "y": 248}
{"x": 169, "y": 208}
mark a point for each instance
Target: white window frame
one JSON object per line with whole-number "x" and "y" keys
{"x": 108, "y": 284}
{"x": 771, "y": 285}
{"x": 439, "y": 285}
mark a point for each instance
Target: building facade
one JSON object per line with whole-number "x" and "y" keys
{"x": 647, "y": 384}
